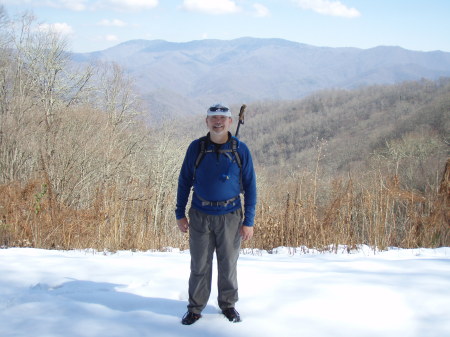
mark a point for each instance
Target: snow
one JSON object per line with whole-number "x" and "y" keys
{"x": 398, "y": 292}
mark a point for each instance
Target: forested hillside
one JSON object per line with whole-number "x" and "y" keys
{"x": 352, "y": 126}
{"x": 80, "y": 168}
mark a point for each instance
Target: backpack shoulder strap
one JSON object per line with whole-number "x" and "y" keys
{"x": 202, "y": 151}
{"x": 234, "y": 146}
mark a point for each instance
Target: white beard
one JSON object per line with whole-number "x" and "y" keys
{"x": 218, "y": 131}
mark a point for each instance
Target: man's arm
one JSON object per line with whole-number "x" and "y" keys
{"x": 249, "y": 185}
{"x": 185, "y": 180}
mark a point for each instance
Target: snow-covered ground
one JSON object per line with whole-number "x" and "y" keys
{"x": 397, "y": 293}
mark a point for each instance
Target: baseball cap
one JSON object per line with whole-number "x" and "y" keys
{"x": 218, "y": 110}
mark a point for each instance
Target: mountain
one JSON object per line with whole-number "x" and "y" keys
{"x": 182, "y": 78}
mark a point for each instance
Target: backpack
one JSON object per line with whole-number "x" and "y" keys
{"x": 234, "y": 145}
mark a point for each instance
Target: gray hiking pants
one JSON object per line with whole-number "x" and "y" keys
{"x": 206, "y": 234}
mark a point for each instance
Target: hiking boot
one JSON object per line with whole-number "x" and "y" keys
{"x": 232, "y": 315}
{"x": 190, "y": 318}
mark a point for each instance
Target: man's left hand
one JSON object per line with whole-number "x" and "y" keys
{"x": 246, "y": 232}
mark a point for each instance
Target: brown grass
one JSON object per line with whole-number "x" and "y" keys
{"x": 372, "y": 210}
{"x": 303, "y": 211}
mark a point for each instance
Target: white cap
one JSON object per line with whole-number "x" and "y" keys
{"x": 218, "y": 110}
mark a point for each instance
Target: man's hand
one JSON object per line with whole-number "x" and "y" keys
{"x": 246, "y": 232}
{"x": 183, "y": 225}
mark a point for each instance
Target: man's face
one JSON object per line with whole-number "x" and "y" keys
{"x": 218, "y": 124}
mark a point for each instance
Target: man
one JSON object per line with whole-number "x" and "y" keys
{"x": 218, "y": 167}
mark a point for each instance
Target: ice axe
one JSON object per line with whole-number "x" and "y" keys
{"x": 241, "y": 119}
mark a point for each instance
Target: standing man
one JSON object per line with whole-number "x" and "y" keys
{"x": 219, "y": 167}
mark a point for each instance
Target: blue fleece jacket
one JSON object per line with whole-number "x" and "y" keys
{"x": 217, "y": 178}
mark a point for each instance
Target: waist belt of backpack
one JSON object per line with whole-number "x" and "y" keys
{"x": 216, "y": 203}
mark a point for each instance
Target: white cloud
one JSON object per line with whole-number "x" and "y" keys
{"x": 261, "y": 11}
{"x": 111, "y": 38}
{"x": 127, "y": 5}
{"x": 82, "y": 5}
{"x": 107, "y": 38}
{"x": 62, "y": 28}
{"x": 211, "y": 6}
{"x": 77, "y": 5}
{"x": 112, "y": 23}
{"x": 326, "y": 7}
{"x": 74, "y": 5}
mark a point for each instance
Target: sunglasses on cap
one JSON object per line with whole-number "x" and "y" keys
{"x": 223, "y": 109}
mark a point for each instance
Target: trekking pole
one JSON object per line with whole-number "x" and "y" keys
{"x": 241, "y": 119}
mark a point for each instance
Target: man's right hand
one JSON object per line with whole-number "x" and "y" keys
{"x": 183, "y": 225}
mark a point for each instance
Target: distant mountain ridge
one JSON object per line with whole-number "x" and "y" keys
{"x": 179, "y": 78}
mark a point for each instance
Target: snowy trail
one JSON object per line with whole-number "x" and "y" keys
{"x": 402, "y": 293}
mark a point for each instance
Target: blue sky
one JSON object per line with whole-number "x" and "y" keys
{"x": 92, "y": 25}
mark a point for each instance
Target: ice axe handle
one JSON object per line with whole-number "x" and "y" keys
{"x": 241, "y": 119}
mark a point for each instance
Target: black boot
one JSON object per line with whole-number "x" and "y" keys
{"x": 190, "y": 318}
{"x": 232, "y": 315}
